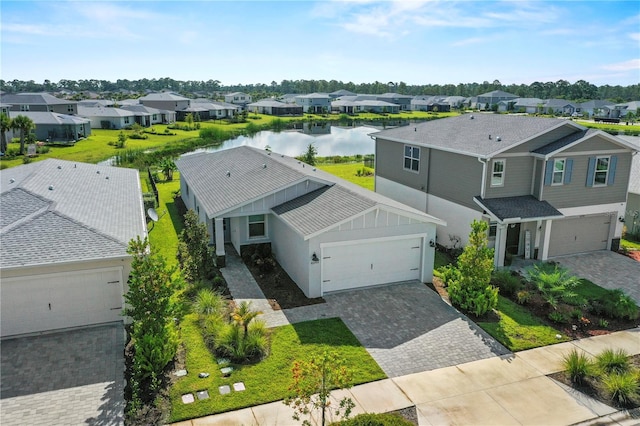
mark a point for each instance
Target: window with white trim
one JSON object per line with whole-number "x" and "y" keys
{"x": 257, "y": 226}
{"x": 497, "y": 172}
{"x": 411, "y": 158}
{"x": 558, "y": 171}
{"x": 126, "y": 120}
{"x": 601, "y": 172}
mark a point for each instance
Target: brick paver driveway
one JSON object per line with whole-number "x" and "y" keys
{"x": 73, "y": 377}
{"x": 407, "y": 328}
{"x": 607, "y": 269}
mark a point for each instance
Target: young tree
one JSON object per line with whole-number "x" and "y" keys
{"x": 313, "y": 381}
{"x": 167, "y": 166}
{"x": 242, "y": 315}
{"x": 189, "y": 120}
{"x": 24, "y": 124}
{"x": 193, "y": 255}
{"x": 5, "y": 126}
{"x": 309, "y": 157}
{"x": 471, "y": 290}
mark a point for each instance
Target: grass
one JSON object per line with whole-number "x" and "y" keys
{"x": 621, "y": 127}
{"x": 629, "y": 244}
{"x": 590, "y": 290}
{"x": 518, "y": 330}
{"x": 441, "y": 260}
{"x": 347, "y": 171}
{"x": 269, "y": 379}
{"x": 164, "y": 234}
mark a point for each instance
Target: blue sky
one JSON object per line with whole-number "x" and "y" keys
{"x": 415, "y": 41}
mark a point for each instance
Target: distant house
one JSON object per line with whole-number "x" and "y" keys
{"x": 39, "y": 102}
{"x": 169, "y": 101}
{"x": 97, "y": 103}
{"x": 403, "y": 101}
{"x": 527, "y": 105}
{"x": 148, "y": 116}
{"x": 430, "y": 105}
{"x": 65, "y": 228}
{"x": 597, "y": 108}
{"x": 624, "y": 110}
{"x": 341, "y": 92}
{"x": 560, "y": 106}
{"x": 487, "y": 100}
{"x": 314, "y": 103}
{"x": 58, "y": 127}
{"x": 107, "y": 117}
{"x": 217, "y": 110}
{"x": 238, "y": 98}
{"x": 197, "y": 111}
{"x": 271, "y": 107}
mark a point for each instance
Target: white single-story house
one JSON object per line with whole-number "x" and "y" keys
{"x": 64, "y": 232}
{"x": 328, "y": 234}
{"x": 106, "y": 117}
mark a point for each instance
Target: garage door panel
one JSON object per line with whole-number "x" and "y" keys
{"x": 579, "y": 235}
{"x": 367, "y": 263}
{"x": 49, "y": 302}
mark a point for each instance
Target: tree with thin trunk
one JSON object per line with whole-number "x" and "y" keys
{"x": 5, "y": 126}
{"x": 242, "y": 315}
{"x": 24, "y": 124}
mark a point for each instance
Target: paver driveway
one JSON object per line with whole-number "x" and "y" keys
{"x": 607, "y": 269}
{"x": 407, "y": 328}
{"x": 73, "y": 377}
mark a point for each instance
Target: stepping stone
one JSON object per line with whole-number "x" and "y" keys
{"x": 223, "y": 390}
{"x": 238, "y": 387}
{"x": 187, "y": 398}
{"x": 203, "y": 394}
{"x": 223, "y": 361}
{"x": 180, "y": 373}
{"x": 203, "y": 375}
{"x": 226, "y": 371}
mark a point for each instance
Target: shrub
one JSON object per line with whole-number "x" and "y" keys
{"x": 447, "y": 274}
{"x": 523, "y": 297}
{"x": 619, "y": 305}
{"x": 621, "y": 388}
{"x": 577, "y": 366}
{"x": 554, "y": 283}
{"x": 613, "y": 362}
{"x": 369, "y": 419}
{"x": 558, "y": 317}
{"x": 231, "y": 342}
{"x": 506, "y": 281}
{"x": 209, "y": 302}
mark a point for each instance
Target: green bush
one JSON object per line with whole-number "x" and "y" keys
{"x": 577, "y": 366}
{"x": 616, "y": 304}
{"x": 232, "y": 343}
{"x": 523, "y": 296}
{"x": 369, "y": 419}
{"x": 555, "y": 283}
{"x": 508, "y": 283}
{"x": 613, "y": 362}
{"x": 214, "y": 134}
{"x": 209, "y": 302}
{"x": 621, "y": 388}
{"x": 447, "y": 274}
{"x": 558, "y": 317}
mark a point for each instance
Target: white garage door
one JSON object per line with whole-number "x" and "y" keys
{"x": 49, "y": 302}
{"x": 579, "y": 235}
{"x": 366, "y": 263}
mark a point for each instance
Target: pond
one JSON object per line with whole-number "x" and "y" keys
{"x": 328, "y": 140}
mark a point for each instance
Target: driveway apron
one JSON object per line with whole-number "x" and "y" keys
{"x": 72, "y": 377}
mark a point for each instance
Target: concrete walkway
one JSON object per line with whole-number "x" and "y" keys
{"x": 505, "y": 390}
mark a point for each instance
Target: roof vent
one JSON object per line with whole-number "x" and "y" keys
{"x": 314, "y": 169}
{"x": 415, "y": 129}
{"x": 264, "y": 166}
{"x": 498, "y": 138}
{"x": 107, "y": 178}
{"x": 281, "y": 155}
{"x": 12, "y": 180}
{"x": 98, "y": 171}
{"x": 228, "y": 173}
{"x": 489, "y": 137}
{"x": 59, "y": 167}
{"x": 471, "y": 117}
{"x": 50, "y": 187}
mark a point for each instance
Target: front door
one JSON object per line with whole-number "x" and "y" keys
{"x": 227, "y": 230}
{"x": 513, "y": 238}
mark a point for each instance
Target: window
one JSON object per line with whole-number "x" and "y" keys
{"x": 69, "y": 108}
{"x": 257, "y": 226}
{"x": 558, "y": 171}
{"x": 493, "y": 228}
{"x": 497, "y": 173}
{"x": 411, "y": 158}
{"x": 154, "y": 117}
{"x": 126, "y": 120}
{"x": 24, "y": 107}
{"x": 601, "y": 172}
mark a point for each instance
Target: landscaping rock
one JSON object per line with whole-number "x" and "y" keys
{"x": 180, "y": 373}
{"x": 225, "y": 389}
{"x": 188, "y": 398}
{"x": 226, "y": 371}
{"x": 223, "y": 361}
{"x": 203, "y": 394}
{"x": 238, "y": 387}
{"x": 203, "y": 375}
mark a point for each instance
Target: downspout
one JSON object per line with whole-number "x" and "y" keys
{"x": 484, "y": 176}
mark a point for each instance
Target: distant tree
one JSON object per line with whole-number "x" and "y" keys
{"x": 309, "y": 156}
{"x": 189, "y": 120}
{"x": 24, "y": 124}
{"x": 194, "y": 256}
{"x": 5, "y": 126}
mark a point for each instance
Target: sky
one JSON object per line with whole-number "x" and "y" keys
{"x": 359, "y": 41}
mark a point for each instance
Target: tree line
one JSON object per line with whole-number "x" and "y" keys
{"x": 579, "y": 91}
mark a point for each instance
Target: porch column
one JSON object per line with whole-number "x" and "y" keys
{"x": 219, "y": 233}
{"x": 501, "y": 245}
{"x": 545, "y": 241}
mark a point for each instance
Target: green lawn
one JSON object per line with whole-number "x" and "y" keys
{"x": 620, "y": 127}
{"x": 163, "y": 235}
{"x": 269, "y": 379}
{"x": 347, "y": 171}
{"x": 518, "y": 330}
{"x": 628, "y": 244}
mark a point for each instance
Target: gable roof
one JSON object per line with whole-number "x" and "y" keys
{"x": 468, "y": 134}
{"x": 43, "y": 117}
{"x": 634, "y": 176}
{"x": 517, "y": 208}
{"x": 34, "y": 99}
{"x": 581, "y": 136}
{"x": 164, "y": 96}
{"x": 497, "y": 94}
{"x": 254, "y": 174}
{"x": 100, "y": 204}
{"x": 100, "y": 111}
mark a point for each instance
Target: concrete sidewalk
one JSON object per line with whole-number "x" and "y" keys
{"x": 505, "y": 390}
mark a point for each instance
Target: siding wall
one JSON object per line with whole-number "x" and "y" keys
{"x": 542, "y": 140}
{"x": 455, "y": 177}
{"x": 518, "y": 173}
{"x": 595, "y": 143}
{"x": 392, "y": 167}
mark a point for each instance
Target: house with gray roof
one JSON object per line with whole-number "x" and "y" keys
{"x": 314, "y": 103}
{"x": 487, "y": 100}
{"x": 560, "y": 106}
{"x": 238, "y": 98}
{"x": 273, "y": 107}
{"x": 216, "y": 110}
{"x": 328, "y": 234}
{"x": 56, "y": 127}
{"x": 548, "y": 187}
{"x": 148, "y": 116}
{"x": 106, "y": 117}
{"x": 165, "y": 100}
{"x": 64, "y": 231}
{"x": 39, "y": 102}
{"x": 403, "y": 101}
{"x": 341, "y": 92}
{"x": 597, "y": 108}
{"x": 526, "y": 105}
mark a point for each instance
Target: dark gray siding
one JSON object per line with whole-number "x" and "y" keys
{"x": 537, "y": 179}
{"x": 518, "y": 173}
{"x": 577, "y": 193}
{"x": 390, "y": 164}
{"x": 455, "y": 177}
{"x": 542, "y": 140}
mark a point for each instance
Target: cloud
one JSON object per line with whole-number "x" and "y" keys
{"x": 630, "y": 65}
{"x": 634, "y": 36}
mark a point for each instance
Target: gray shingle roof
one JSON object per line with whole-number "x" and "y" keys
{"x": 322, "y": 209}
{"x": 43, "y": 117}
{"x": 567, "y": 140}
{"x": 634, "y": 177}
{"x": 469, "y": 133}
{"x": 524, "y": 207}
{"x": 102, "y": 200}
{"x": 34, "y": 99}
{"x": 270, "y": 103}
{"x": 100, "y": 111}
{"x": 165, "y": 96}
{"x": 249, "y": 180}
{"x": 497, "y": 94}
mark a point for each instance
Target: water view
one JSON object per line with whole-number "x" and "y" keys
{"x": 329, "y": 140}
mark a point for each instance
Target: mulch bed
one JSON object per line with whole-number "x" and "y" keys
{"x": 590, "y": 387}
{"x": 634, "y": 254}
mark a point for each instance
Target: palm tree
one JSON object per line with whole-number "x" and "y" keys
{"x": 242, "y": 315}
{"x": 168, "y": 167}
{"x": 5, "y": 126}
{"x": 24, "y": 124}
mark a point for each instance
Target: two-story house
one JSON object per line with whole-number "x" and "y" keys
{"x": 548, "y": 187}
{"x": 39, "y": 102}
{"x": 487, "y": 100}
{"x": 166, "y": 100}
{"x": 238, "y": 98}
{"x": 314, "y": 102}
